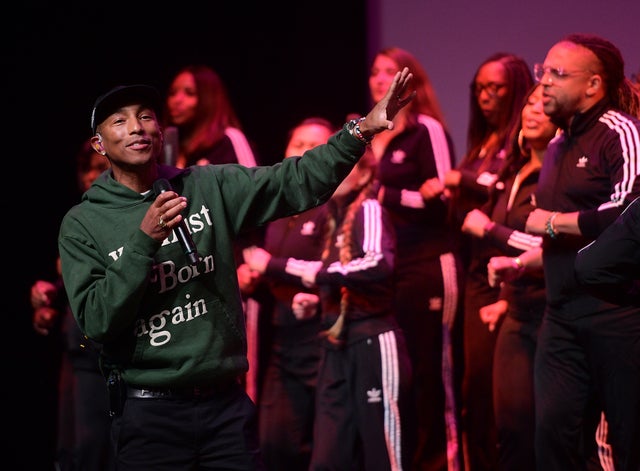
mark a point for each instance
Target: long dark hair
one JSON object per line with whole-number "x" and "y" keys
{"x": 519, "y": 81}
{"x": 214, "y": 112}
{"x": 519, "y": 151}
{"x": 426, "y": 102}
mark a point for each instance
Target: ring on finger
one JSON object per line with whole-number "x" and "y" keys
{"x": 161, "y": 223}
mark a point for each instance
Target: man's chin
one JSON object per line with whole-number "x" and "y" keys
{"x": 549, "y": 109}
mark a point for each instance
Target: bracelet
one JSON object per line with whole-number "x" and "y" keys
{"x": 353, "y": 127}
{"x": 551, "y": 230}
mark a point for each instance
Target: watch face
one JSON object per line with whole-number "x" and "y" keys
{"x": 352, "y": 124}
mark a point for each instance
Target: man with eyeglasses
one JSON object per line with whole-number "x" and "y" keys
{"x": 588, "y": 356}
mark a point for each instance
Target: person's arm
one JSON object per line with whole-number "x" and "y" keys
{"x": 255, "y": 196}
{"x": 433, "y": 157}
{"x": 609, "y": 267}
{"x": 377, "y": 246}
{"x": 503, "y": 268}
{"x": 510, "y": 240}
{"x": 491, "y": 313}
{"x": 48, "y": 301}
{"x": 553, "y": 223}
{"x": 45, "y": 314}
{"x": 476, "y": 184}
{"x": 110, "y": 292}
{"x": 589, "y": 223}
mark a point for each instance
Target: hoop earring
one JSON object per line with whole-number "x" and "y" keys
{"x": 521, "y": 142}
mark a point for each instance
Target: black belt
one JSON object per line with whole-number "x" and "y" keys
{"x": 194, "y": 392}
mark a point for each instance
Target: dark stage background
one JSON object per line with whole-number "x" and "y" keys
{"x": 281, "y": 62}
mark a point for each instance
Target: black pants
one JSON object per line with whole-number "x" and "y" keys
{"x": 594, "y": 357}
{"x": 215, "y": 432}
{"x": 428, "y": 309}
{"x": 513, "y": 393}
{"x": 362, "y": 390}
{"x": 287, "y": 402}
{"x": 478, "y": 422}
{"x": 83, "y": 420}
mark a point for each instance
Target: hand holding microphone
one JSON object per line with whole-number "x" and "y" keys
{"x": 182, "y": 232}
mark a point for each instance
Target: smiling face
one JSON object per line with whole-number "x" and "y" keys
{"x": 129, "y": 136}
{"x": 537, "y": 127}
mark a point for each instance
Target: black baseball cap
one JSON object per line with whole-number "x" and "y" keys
{"x": 120, "y": 96}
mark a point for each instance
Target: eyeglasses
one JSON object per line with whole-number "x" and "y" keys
{"x": 491, "y": 88}
{"x": 554, "y": 73}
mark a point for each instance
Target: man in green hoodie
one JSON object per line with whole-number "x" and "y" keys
{"x": 148, "y": 265}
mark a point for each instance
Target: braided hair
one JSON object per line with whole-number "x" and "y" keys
{"x": 367, "y": 163}
{"x": 620, "y": 90}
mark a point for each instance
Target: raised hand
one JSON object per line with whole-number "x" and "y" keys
{"x": 380, "y": 118}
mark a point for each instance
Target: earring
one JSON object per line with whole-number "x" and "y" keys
{"x": 521, "y": 142}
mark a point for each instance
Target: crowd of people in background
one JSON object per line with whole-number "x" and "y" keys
{"x": 413, "y": 160}
{"x": 287, "y": 399}
{"x": 420, "y": 314}
{"x": 496, "y": 97}
{"x": 198, "y": 111}
{"x": 82, "y": 438}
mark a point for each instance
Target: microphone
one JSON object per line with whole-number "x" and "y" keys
{"x": 170, "y": 148}
{"x": 160, "y": 186}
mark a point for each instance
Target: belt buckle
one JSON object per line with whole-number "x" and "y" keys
{"x": 152, "y": 393}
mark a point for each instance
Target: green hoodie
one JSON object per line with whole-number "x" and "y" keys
{"x": 162, "y": 322}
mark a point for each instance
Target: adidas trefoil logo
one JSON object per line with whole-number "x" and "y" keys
{"x": 398, "y": 156}
{"x": 374, "y": 395}
{"x": 582, "y": 162}
{"x": 308, "y": 228}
